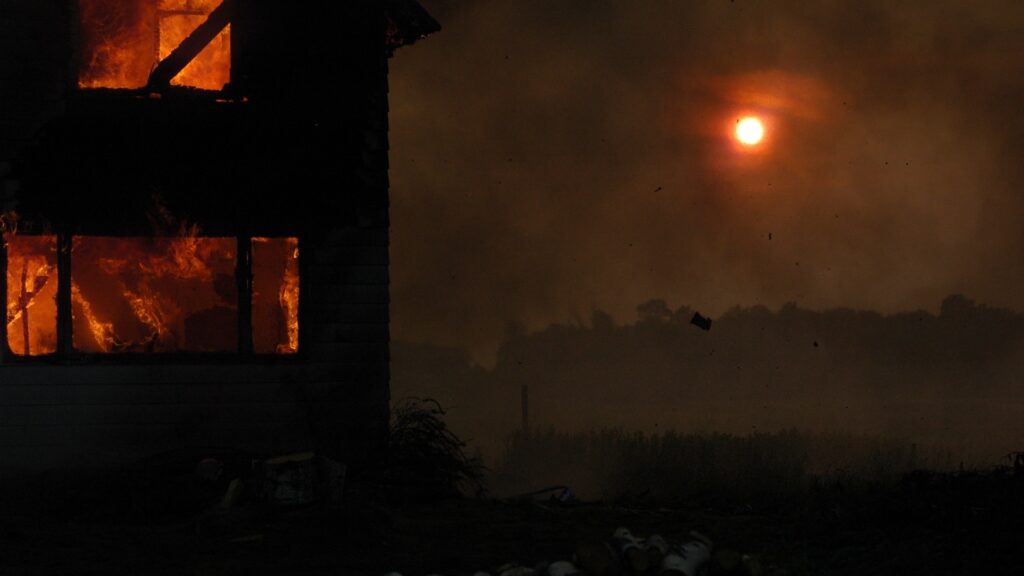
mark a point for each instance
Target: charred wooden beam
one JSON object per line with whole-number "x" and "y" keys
{"x": 191, "y": 46}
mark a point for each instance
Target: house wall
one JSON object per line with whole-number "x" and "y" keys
{"x": 33, "y": 73}
{"x": 325, "y": 163}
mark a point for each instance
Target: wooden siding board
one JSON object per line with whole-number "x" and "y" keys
{"x": 46, "y": 374}
{"x": 39, "y": 436}
{"x": 33, "y": 393}
{"x": 356, "y": 237}
{"x": 128, "y": 414}
{"x": 94, "y": 394}
{"x": 340, "y": 311}
{"x": 343, "y": 332}
{"x": 327, "y": 274}
{"x": 352, "y": 352}
{"x": 355, "y": 255}
{"x": 35, "y": 414}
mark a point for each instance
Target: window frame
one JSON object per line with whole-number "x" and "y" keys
{"x": 67, "y": 354}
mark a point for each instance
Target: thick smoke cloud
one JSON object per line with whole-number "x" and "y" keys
{"x": 553, "y": 156}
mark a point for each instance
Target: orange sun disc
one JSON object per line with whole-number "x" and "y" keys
{"x": 749, "y": 131}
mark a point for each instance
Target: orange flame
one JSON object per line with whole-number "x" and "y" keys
{"x": 102, "y": 332}
{"x": 275, "y": 297}
{"x": 289, "y": 298}
{"x": 211, "y": 69}
{"x": 155, "y": 294}
{"x": 31, "y": 294}
{"x": 149, "y": 311}
{"x": 119, "y": 43}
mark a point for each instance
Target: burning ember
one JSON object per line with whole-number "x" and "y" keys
{"x": 123, "y": 40}
{"x": 31, "y": 294}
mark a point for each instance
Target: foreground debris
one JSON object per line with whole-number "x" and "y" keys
{"x": 624, "y": 553}
{"x": 290, "y": 479}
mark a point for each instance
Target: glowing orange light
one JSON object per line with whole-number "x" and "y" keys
{"x": 31, "y": 294}
{"x": 275, "y": 300}
{"x": 122, "y": 40}
{"x": 154, "y": 294}
{"x": 749, "y": 131}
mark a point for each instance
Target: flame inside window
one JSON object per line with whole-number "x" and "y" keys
{"x": 31, "y": 294}
{"x": 275, "y": 295}
{"x": 123, "y": 40}
{"x": 154, "y": 294}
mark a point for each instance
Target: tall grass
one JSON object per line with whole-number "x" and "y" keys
{"x": 615, "y": 464}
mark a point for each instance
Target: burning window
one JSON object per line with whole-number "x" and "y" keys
{"x": 154, "y": 294}
{"x": 124, "y": 40}
{"x": 31, "y": 294}
{"x": 275, "y": 295}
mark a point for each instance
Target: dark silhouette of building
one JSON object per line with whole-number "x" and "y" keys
{"x": 151, "y": 149}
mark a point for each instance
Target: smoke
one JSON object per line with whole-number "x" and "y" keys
{"x": 552, "y": 157}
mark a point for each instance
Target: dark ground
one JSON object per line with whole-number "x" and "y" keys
{"x": 962, "y": 523}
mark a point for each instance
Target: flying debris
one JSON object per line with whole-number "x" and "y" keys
{"x": 700, "y": 321}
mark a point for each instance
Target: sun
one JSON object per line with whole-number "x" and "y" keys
{"x": 749, "y": 130}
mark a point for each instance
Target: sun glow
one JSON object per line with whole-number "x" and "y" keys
{"x": 749, "y": 131}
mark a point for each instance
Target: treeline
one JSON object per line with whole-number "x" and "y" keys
{"x": 951, "y": 377}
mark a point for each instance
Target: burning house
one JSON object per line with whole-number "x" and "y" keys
{"x": 195, "y": 220}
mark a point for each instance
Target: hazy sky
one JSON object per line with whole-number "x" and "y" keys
{"x": 550, "y": 156}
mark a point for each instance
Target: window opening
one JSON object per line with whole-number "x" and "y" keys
{"x": 31, "y": 294}
{"x": 127, "y": 43}
{"x": 154, "y": 294}
{"x": 275, "y": 295}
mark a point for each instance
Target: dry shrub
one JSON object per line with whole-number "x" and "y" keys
{"x": 425, "y": 460}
